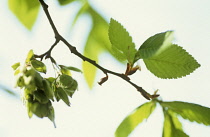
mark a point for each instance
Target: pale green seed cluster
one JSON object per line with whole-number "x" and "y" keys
{"x": 39, "y": 92}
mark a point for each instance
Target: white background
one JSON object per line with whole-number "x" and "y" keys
{"x": 98, "y": 112}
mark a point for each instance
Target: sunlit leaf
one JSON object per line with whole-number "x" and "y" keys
{"x": 173, "y": 62}
{"x": 154, "y": 45}
{"x": 190, "y": 111}
{"x": 121, "y": 40}
{"x": 172, "y": 126}
{"x": 29, "y": 56}
{"x": 91, "y": 52}
{"x": 25, "y": 10}
{"x": 96, "y": 43}
{"x": 135, "y": 118}
{"x": 39, "y": 66}
{"x": 16, "y": 65}
{"x": 65, "y": 2}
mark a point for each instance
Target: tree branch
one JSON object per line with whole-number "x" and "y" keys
{"x": 73, "y": 50}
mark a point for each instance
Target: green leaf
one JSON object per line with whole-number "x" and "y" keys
{"x": 70, "y": 91}
{"x": 135, "y": 118}
{"x": 70, "y": 68}
{"x": 65, "y": 81}
{"x": 154, "y": 45}
{"x": 7, "y": 90}
{"x": 65, "y": 2}
{"x": 39, "y": 66}
{"x": 121, "y": 40}
{"x": 190, "y": 111}
{"x": 51, "y": 115}
{"x": 97, "y": 41}
{"x": 40, "y": 96}
{"x": 81, "y": 11}
{"x": 29, "y": 56}
{"x": 172, "y": 126}
{"x": 173, "y": 62}
{"x": 41, "y": 110}
{"x": 48, "y": 90}
{"x": 16, "y": 65}
{"x": 25, "y": 10}
{"x": 63, "y": 95}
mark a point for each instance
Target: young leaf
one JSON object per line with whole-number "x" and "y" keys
{"x": 25, "y": 10}
{"x": 190, "y": 111}
{"x": 16, "y": 65}
{"x": 29, "y": 56}
{"x": 136, "y": 117}
{"x": 173, "y": 62}
{"x": 154, "y": 45}
{"x": 65, "y": 71}
{"x": 39, "y": 66}
{"x": 172, "y": 126}
{"x": 121, "y": 40}
{"x": 65, "y": 2}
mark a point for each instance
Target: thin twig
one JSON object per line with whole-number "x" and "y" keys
{"x": 73, "y": 50}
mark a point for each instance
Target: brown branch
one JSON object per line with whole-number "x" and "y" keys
{"x": 73, "y": 50}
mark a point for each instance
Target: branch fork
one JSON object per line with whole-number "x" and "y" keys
{"x": 73, "y": 50}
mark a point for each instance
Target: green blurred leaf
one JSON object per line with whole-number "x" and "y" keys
{"x": 135, "y": 118}
{"x": 65, "y": 2}
{"x": 121, "y": 40}
{"x": 70, "y": 68}
{"x": 25, "y": 10}
{"x": 190, "y": 111}
{"x": 81, "y": 11}
{"x": 172, "y": 126}
{"x": 154, "y": 45}
{"x": 16, "y": 65}
{"x": 7, "y": 90}
{"x": 173, "y": 62}
{"x": 29, "y": 56}
{"x": 39, "y": 66}
{"x": 97, "y": 42}
{"x": 63, "y": 95}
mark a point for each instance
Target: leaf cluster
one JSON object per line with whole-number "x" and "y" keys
{"x": 172, "y": 126}
{"x": 39, "y": 92}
